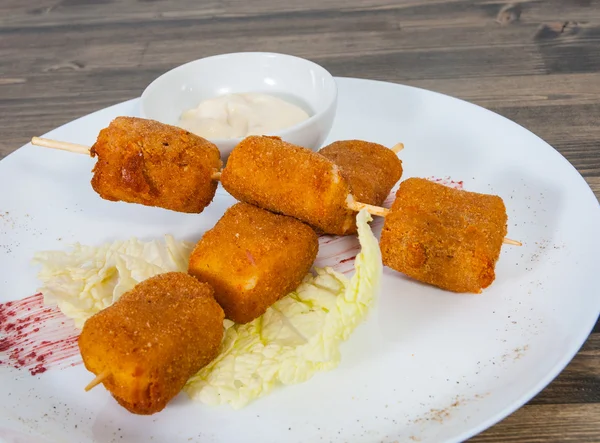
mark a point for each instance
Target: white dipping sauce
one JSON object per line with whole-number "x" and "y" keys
{"x": 240, "y": 115}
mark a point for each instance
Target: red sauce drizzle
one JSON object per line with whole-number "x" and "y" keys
{"x": 36, "y": 337}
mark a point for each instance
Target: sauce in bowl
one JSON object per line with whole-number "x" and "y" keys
{"x": 240, "y": 115}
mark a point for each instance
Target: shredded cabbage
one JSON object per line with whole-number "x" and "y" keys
{"x": 87, "y": 279}
{"x": 297, "y": 336}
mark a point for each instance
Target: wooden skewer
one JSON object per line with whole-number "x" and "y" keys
{"x": 397, "y": 147}
{"x": 99, "y": 379}
{"x": 373, "y": 210}
{"x": 80, "y": 149}
{"x": 352, "y": 204}
{"x": 63, "y": 146}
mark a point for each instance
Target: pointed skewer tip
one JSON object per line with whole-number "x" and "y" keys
{"x": 97, "y": 380}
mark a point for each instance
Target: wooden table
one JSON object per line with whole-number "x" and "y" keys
{"x": 535, "y": 62}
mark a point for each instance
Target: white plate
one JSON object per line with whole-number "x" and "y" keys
{"x": 427, "y": 365}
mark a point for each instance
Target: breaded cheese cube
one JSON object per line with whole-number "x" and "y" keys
{"x": 287, "y": 179}
{"x": 252, "y": 258}
{"x": 371, "y": 169}
{"x": 153, "y": 339}
{"x": 446, "y": 237}
{"x": 153, "y": 164}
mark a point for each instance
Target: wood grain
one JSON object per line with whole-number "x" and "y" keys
{"x": 535, "y": 62}
{"x": 555, "y": 423}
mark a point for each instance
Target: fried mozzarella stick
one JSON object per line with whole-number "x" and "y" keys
{"x": 145, "y": 347}
{"x": 291, "y": 180}
{"x": 446, "y": 237}
{"x": 252, "y": 258}
{"x": 371, "y": 169}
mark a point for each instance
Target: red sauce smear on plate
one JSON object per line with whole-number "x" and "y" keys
{"x": 36, "y": 337}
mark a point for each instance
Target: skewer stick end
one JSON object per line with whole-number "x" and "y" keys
{"x": 397, "y": 147}
{"x": 63, "y": 146}
{"x": 508, "y": 241}
{"x": 97, "y": 380}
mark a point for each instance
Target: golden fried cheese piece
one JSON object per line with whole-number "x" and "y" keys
{"x": 153, "y": 164}
{"x": 446, "y": 237}
{"x": 370, "y": 169}
{"x": 153, "y": 339}
{"x": 252, "y": 258}
{"x": 290, "y": 180}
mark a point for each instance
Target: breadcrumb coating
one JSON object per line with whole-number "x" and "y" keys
{"x": 153, "y": 339}
{"x": 252, "y": 258}
{"x": 153, "y": 164}
{"x": 371, "y": 169}
{"x": 446, "y": 237}
{"x": 291, "y": 180}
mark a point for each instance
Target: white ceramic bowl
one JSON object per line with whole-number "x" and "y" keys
{"x": 297, "y": 80}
